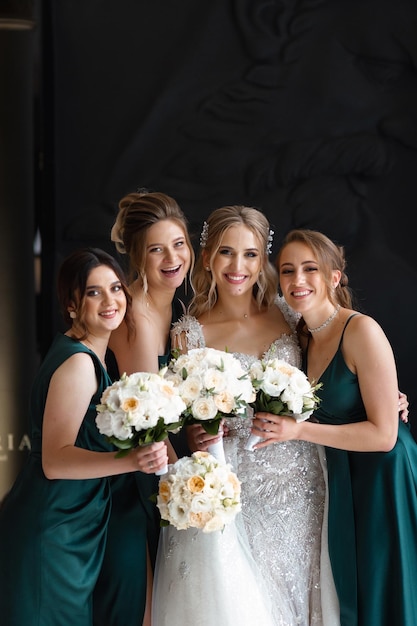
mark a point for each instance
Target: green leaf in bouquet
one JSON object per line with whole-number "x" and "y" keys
{"x": 275, "y": 407}
{"x": 122, "y": 444}
{"x": 157, "y": 433}
{"x": 175, "y": 353}
{"x": 144, "y": 437}
{"x": 210, "y": 426}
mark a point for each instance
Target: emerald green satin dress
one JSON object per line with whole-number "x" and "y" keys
{"x": 53, "y": 532}
{"x": 372, "y": 513}
{"x": 134, "y": 524}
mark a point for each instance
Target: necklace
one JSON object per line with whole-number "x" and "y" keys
{"x": 327, "y": 322}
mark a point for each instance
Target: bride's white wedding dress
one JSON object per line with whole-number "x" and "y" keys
{"x": 271, "y": 566}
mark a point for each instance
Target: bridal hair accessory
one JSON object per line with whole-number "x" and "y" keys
{"x": 268, "y": 249}
{"x": 116, "y": 235}
{"x": 73, "y": 315}
{"x": 327, "y": 322}
{"x": 204, "y": 235}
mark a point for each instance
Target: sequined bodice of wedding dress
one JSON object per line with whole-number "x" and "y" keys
{"x": 280, "y": 529}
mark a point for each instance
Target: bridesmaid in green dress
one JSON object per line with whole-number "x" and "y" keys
{"x": 371, "y": 454}
{"x": 151, "y": 230}
{"x": 53, "y": 521}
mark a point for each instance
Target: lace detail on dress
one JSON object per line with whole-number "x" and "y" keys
{"x": 283, "y": 495}
{"x": 287, "y": 345}
{"x": 189, "y": 326}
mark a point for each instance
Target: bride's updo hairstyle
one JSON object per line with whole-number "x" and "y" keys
{"x": 329, "y": 256}
{"x": 138, "y": 211}
{"x": 214, "y": 228}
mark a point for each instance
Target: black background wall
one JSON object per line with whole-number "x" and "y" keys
{"x": 306, "y": 110}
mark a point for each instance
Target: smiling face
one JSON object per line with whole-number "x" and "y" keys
{"x": 104, "y": 301}
{"x": 168, "y": 256}
{"x": 301, "y": 279}
{"x": 236, "y": 265}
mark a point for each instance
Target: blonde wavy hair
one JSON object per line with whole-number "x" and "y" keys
{"x": 219, "y": 221}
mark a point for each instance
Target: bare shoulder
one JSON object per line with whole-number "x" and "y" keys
{"x": 79, "y": 360}
{"x": 76, "y": 370}
{"x": 364, "y": 335}
{"x": 361, "y": 324}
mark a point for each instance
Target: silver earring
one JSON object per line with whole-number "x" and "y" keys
{"x": 73, "y": 315}
{"x": 207, "y": 268}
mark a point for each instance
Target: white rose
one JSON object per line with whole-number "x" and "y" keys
{"x": 146, "y": 418}
{"x": 245, "y": 390}
{"x": 224, "y": 401}
{"x": 274, "y": 381}
{"x": 293, "y": 400}
{"x": 173, "y": 412}
{"x": 227, "y": 491}
{"x": 214, "y": 379}
{"x": 256, "y": 370}
{"x": 200, "y": 503}
{"x": 190, "y": 389}
{"x": 299, "y": 382}
{"x": 213, "y": 484}
{"x": 178, "y": 515}
{"x": 204, "y": 409}
{"x": 113, "y": 424}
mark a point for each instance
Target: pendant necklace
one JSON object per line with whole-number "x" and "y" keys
{"x": 326, "y": 323}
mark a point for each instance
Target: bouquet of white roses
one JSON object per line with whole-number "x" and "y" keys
{"x": 139, "y": 409}
{"x": 213, "y": 385}
{"x": 281, "y": 389}
{"x": 199, "y": 492}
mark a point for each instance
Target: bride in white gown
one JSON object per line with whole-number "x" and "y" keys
{"x": 271, "y": 567}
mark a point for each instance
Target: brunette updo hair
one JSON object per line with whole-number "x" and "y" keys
{"x": 138, "y": 211}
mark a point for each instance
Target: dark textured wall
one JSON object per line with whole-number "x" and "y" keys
{"x": 306, "y": 110}
{"x": 18, "y": 355}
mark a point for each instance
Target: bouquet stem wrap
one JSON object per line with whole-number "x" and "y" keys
{"x": 217, "y": 450}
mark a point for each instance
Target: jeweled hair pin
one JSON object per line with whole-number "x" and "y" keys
{"x": 269, "y": 242}
{"x": 204, "y": 235}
